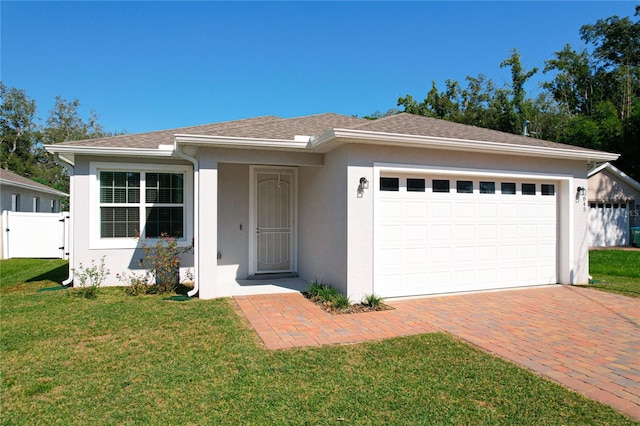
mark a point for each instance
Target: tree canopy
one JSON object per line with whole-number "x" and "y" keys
{"x": 22, "y": 136}
{"x": 592, "y": 98}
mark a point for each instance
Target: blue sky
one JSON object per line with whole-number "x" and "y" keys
{"x": 146, "y": 66}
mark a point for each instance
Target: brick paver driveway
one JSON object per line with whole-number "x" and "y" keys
{"x": 584, "y": 339}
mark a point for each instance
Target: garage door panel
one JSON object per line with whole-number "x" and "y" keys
{"x": 450, "y": 242}
{"x": 414, "y": 233}
{"x": 415, "y": 256}
{"x": 465, "y": 210}
{"x": 441, "y": 210}
{"x": 441, "y": 255}
{"x": 414, "y": 209}
{"x": 440, "y": 233}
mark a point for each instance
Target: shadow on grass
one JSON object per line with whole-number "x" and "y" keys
{"x": 56, "y": 275}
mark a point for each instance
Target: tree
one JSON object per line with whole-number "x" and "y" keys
{"x": 574, "y": 83}
{"x": 617, "y": 45}
{"x": 512, "y": 100}
{"x": 65, "y": 124}
{"x": 18, "y": 134}
{"x": 22, "y": 136}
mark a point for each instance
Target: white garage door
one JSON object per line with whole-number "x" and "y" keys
{"x": 437, "y": 234}
{"x": 608, "y": 224}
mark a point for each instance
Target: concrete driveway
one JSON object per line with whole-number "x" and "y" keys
{"x": 584, "y": 339}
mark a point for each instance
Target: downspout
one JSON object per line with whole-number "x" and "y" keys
{"x": 70, "y": 169}
{"x": 196, "y": 216}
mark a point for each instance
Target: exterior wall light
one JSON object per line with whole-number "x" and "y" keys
{"x": 364, "y": 183}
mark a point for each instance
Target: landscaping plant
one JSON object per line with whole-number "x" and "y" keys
{"x": 90, "y": 278}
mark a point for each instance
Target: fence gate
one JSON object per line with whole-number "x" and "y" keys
{"x": 38, "y": 235}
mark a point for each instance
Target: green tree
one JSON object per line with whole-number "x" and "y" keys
{"x": 617, "y": 45}
{"x": 18, "y": 130}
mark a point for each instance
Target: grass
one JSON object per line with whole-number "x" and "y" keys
{"x": 147, "y": 360}
{"x": 617, "y": 271}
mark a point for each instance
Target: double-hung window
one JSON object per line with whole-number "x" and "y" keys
{"x": 141, "y": 203}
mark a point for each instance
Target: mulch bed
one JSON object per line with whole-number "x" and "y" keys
{"x": 354, "y": 308}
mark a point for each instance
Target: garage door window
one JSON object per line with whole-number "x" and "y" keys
{"x": 487, "y": 187}
{"x": 508, "y": 188}
{"x": 528, "y": 189}
{"x": 389, "y": 184}
{"x": 440, "y": 185}
{"x": 415, "y": 185}
{"x": 464, "y": 187}
{"x": 548, "y": 189}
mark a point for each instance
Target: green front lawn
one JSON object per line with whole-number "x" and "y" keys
{"x": 150, "y": 360}
{"x": 617, "y": 271}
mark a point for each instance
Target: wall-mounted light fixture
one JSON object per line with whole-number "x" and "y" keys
{"x": 581, "y": 191}
{"x": 364, "y": 183}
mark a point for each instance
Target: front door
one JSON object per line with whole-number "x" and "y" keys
{"x": 273, "y": 224}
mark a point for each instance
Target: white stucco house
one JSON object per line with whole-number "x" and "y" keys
{"x": 20, "y": 194}
{"x": 614, "y": 199}
{"x": 29, "y": 223}
{"x": 401, "y": 206}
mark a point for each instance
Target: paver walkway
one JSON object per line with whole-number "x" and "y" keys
{"x": 584, "y": 339}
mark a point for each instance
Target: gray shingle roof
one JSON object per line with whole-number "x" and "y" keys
{"x": 272, "y": 127}
{"x": 8, "y": 177}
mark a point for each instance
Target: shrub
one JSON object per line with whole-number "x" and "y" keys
{"x": 90, "y": 278}
{"x": 372, "y": 300}
{"x": 136, "y": 285}
{"x": 341, "y": 302}
{"x": 162, "y": 263}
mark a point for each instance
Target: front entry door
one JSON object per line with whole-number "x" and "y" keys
{"x": 273, "y": 220}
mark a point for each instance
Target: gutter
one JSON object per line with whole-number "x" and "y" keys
{"x": 196, "y": 216}
{"x": 325, "y": 142}
{"x": 71, "y": 170}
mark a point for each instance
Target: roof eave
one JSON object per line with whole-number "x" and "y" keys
{"x": 616, "y": 171}
{"x": 50, "y": 191}
{"x": 68, "y": 152}
{"x": 328, "y": 140}
{"x": 240, "y": 142}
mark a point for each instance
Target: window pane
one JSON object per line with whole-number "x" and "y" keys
{"x": 389, "y": 184}
{"x": 119, "y": 187}
{"x": 119, "y": 222}
{"x": 415, "y": 185}
{"x": 528, "y": 189}
{"x": 487, "y": 187}
{"x": 164, "y": 188}
{"x": 548, "y": 189}
{"x": 508, "y": 188}
{"x": 164, "y": 220}
{"x": 464, "y": 186}
{"x": 440, "y": 185}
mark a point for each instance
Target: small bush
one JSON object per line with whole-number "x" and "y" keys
{"x": 372, "y": 300}
{"x": 315, "y": 288}
{"x": 136, "y": 285}
{"x": 341, "y": 302}
{"x": 90, "y": 278}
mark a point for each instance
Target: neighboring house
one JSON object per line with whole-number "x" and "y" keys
{"x": 19, "y": 194}
{"x": 27, "y": 208}
{"x": 614, "y": 202}
{"x": 401, "y": 206}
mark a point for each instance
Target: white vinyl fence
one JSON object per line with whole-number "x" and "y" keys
{"x": 38, "y": 235}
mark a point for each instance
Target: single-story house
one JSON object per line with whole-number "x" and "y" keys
{"x": 19, "y": 194}
{"x": 400, "y": 206}
{"x": 613, "y": 206}
{"x": 23, "y": 197}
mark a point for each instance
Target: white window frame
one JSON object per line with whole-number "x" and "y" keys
{"x": 36, "y": 204}
{"x": 95, "y": 240}
{"x": 15, "y": 202}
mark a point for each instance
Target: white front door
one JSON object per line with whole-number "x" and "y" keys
{"x": 273, "y": 220}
